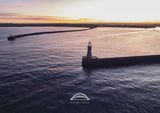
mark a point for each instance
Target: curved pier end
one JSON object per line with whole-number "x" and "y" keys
{"x": 88, "y": 61}
{"x": 11, "y": 37}
{"x": 92, "y": 61}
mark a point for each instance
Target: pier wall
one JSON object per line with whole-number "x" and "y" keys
{"x": 119, "y": 61}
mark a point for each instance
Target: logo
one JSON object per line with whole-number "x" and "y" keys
{"x": 79, "y": 98}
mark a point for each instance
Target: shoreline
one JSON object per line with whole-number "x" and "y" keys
{"x": 86, "y": 25}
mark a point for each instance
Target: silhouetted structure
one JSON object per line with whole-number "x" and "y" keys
{"x": 89, "y": 52}
{"x": 39, "y": 33}
{"x": 11, "y": 37}
{"x": 93, "y": 61}
{"x": 87, "y": 59}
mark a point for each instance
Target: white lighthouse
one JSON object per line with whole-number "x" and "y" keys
{"x": 89, "y": 52}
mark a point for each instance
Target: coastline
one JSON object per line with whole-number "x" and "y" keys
{"x": 125, "y": 25}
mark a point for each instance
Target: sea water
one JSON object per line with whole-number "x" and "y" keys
{"x": 40, "y": 73}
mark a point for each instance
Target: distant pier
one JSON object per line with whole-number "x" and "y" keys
{"x": 48, "y": 32}
{"x": 93, "y": 61}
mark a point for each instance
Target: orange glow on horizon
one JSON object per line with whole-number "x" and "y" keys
{"x": 49, "y": 19}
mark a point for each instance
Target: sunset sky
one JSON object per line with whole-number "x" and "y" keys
{"x": 55, "y": 11}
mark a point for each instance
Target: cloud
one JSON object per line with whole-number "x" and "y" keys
{"x": 20, "y": 18}
{"x": 13, "y": 6}
{"x": 10, "y": 14}
{"x": 54, "y": 18}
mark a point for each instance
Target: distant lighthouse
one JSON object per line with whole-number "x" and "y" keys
{"x": 89, "y": 52}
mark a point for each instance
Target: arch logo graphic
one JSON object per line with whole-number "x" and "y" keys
{"x": 79, "y": 98}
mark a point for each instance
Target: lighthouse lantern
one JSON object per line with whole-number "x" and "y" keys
{"x": 89, "y": 52}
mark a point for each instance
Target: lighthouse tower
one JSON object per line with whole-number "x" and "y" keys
{"x": 89, "y": 52}
{"x": 88, "y": 60}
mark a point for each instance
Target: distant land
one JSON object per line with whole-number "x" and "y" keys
{"x": 127, "y": 25}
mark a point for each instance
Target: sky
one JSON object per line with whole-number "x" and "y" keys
{"x": 75, "y": 11}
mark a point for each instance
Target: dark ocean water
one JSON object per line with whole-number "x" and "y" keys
{"x": 39, "y": 74}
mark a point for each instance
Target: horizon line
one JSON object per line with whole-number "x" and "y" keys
{"x": 81, "y": 23}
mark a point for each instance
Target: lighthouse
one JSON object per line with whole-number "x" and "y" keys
{"x": 89, "y": 52}
{"x": 87, "y": 60}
